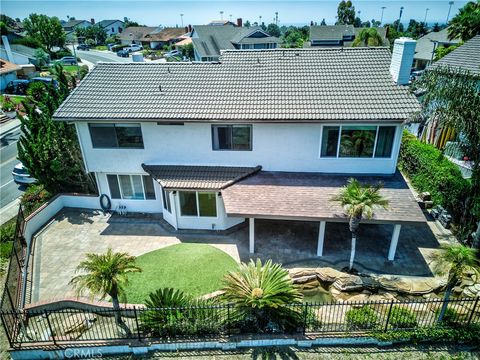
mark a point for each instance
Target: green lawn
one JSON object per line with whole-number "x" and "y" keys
{"x": 196, "y": 269}
{"x": 15, "y": 98}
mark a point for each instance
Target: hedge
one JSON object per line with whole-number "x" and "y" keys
{"x": 428, "y": 170}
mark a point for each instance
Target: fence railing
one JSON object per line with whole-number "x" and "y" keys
{"x": 75, "y": 326}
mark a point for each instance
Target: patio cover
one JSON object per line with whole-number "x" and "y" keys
{"x": 180, "y": 177}
{"x": 306, "y": 196}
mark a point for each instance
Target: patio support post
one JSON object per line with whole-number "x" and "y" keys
{"x": 321, "y": 237}
{"x": 251, "y": 232}
{"x": 394, "y": 242}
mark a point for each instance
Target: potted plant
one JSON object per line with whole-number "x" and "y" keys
{"x": 8, "y": 108}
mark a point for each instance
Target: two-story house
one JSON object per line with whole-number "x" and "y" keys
{"x": 111, "y": 27}
{"x": 261, "y": 134}
{"x": 338, "y": 35}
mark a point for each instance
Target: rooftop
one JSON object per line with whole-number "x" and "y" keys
{"x": 425, "y": 45}
{"x": 73, "y": 23}
{"x": 165, "y": 34}
{"x": 135, "y": 32}
{"x": 465, "y": 57}
{"x": 8, "y": 67}
{"x": 106, "y": 23}
{"x": 331, "y": 32}
{"x": 280, "y": 85}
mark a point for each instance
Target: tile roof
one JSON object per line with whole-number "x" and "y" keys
{"x": 178, "y": 177}
{"x": 307, "y": 196}
{"x": 165, "y": 34}
{"x": 8, "y": 67}
{"x": 425, "y": 45}
{"x": 106, "y": 23}
{"x": 135, "y": 32}
{"x": 331, "y": 32}
{"x": 280, "y": 85}
{"x": 73, "y": 23}
{"x": 465, "y": 57}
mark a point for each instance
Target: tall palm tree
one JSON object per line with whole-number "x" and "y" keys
{"x": 454, "y": 260}
{"x": 106, "y": 274}
{"x": 261, "y": 294}
{"x": 358, "y": 202}
{"x": 368, "y": 37}
{"x": 466, "y": 24}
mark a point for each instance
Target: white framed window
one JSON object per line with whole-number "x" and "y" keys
{"x": 131, "y": 187}
{"x": 199, "y": 204}
{"x": 357, "y": 141}
{"x": 167, "y": 205}
{"x": 232, "y": 137}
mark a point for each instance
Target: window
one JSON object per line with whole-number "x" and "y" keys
{"x": 202, "y": 204}
{"x": 357, "y": 141}
{"x": 232, "y": 137}
{"x": 116, "y": 135}
{"x": 166, "y": 200}
{"x": 131, "y": 187}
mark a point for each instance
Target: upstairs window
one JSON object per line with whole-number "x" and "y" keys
{"x": 108, "y": 136}
{"x": 232, "y": 137}
{"x": 357, "y": 141}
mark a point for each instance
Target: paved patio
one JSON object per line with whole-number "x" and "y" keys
{"x": 63, "y": 243}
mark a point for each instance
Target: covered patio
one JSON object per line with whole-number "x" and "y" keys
{"x": 307, "y": 197}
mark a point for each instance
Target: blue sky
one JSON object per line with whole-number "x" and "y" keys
{"x": 167, "y": 13}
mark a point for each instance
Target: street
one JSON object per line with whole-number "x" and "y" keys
{"x": 9, "y": 190}
{"x": 95, "y": 56}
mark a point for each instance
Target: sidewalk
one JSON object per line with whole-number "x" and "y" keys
{"x": 9, "y": 211}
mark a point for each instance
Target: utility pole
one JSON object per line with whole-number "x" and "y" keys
{"x": 181, "y": 17}
{"x": 425, "y": 19}
{"x": 450, "y": 3}
{"x": 230, "y": 17}
{"x": 276, "y": 17}
{"x": 400, "y": 18}
{"x": 381, "y": 17}
{"x": 260, "y": 20}
{"x": 221, "y": 15}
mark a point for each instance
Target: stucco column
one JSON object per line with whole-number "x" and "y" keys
{"x": 394, "y": 242}
{"x": 321, "y": 237}
{"x": 251, "y": 232}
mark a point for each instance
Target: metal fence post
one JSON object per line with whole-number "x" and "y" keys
{"x": 50, "y": 328}
{"x": 388, "y": 316}
{"x": 473, "y": 310}
{"x": 4, "y": 323}
{"x": 136, "y": 322}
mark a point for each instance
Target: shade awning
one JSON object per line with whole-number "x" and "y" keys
{"x": 307, "y": 196}
{"x": 181, "y": 177}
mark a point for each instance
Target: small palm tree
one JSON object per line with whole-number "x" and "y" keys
{"x": 261, "y": 294}
{"x": 358, "y": 202}
{"x": 106, "y": 274}
{"x": 368, "y": 37}
{"x": 454, "y": 260}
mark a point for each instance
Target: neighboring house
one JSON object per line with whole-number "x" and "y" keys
{"x": 111, "y": 27}
{"x": 260, "y": 134}
{"x": 221, "y": 23}
{"x": 135, "y": 34}
{"x": 338, "y": 35}
{"x": 465, "y": 57}
{"x": 426, "y": 46}
{"x": 210, "y": 40}
{"x": 70, "y": 26}
{"x": 160, "y": 37}
{"x": 8, "y": 72}
{"x": 22, "y": 55}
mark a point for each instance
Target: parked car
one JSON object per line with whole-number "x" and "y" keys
{"x": 123, "y": 53}
{"x": 68, "y": 60}
{"x": 21, "y": 175}
{"x": 84, "y": 47}
{"x": 133, "y": 48}
{"x": 17, "y": 87}
{"x": 173, "y": 53}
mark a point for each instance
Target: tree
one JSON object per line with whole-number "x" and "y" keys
{"x": 368, "y": 37}
{"x": 452, "y": 99}
{"x": 398, "y": 26}
{"x": 466, "y": 24}
{"x": 323, "y": 23}
{"x": 273, "y": 30}
{"x": 416, "y": 29}
{"x": 366, "y": 24}
{"x": 436, "y": 27}
{"x": 345, "y": 13}
{"x": 359, "y": 201}
{"x": 129, "y": 23}
{"x": 95, "y": 33}
{"x": 3, "y": 28}
{"x": 188, "y": 51}
{"x": 376, "y": 23}
{"x": 357, "y": 22}
{"x": 454, "y": 261}
{"x": 49, "y": 149}
{"x": 247, "y": 24}
{"x": 106, "y": 274}
{"x": 441, "y": 51}
{"x": 48, "y": 31}
{"x": 260, "y": 294}
{"x": 41, "y": 57}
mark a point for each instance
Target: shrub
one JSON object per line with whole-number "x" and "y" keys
{"x": 61, "y": 53}
{"x": 7, "y": 230}
{"x": 34, "y": 197}
{"x": 449, "y": 318}
{"x": 28, "y": 41}
{"x": 363, "y": 318}
{"x": 429, "y": 170}
{"x": 101, "y": 47}
{"x": 83, "y": 71}
{"x": 401, "y": 318}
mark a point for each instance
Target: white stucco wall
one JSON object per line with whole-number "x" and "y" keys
{"x": 276, "y": 147}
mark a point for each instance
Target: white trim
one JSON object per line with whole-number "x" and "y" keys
{"x": 251, "y": 235}
{"x": 394, "y": 242}
{"x": 321, "y": 238}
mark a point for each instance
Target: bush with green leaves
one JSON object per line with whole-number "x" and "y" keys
{"x": 450, "y": 317}
{"x": 171, "y": 313}
{"x": 430, "y": 171}
{"x": 402, "y": 318}
{"x": 7, "y": 235}
{"x": 364, "y": 318}
{"x": 34, "y": 197}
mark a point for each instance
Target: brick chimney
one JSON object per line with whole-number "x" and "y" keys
{"x": 402, "y": 60}
{"x": 239, "y": 22}
{"x": 92, "y": 21}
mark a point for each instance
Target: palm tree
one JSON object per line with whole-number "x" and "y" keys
{"x": 106, "y": 274}
{"x": 260, "y": 294}
{"x": 359, "y": 201}
{"x": 466, "y": 24}
{"x": 454, "y": 260}
{"x": 368, "y": 37}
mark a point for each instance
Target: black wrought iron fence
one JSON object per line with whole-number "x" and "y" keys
{"x": 70, "y": 326}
